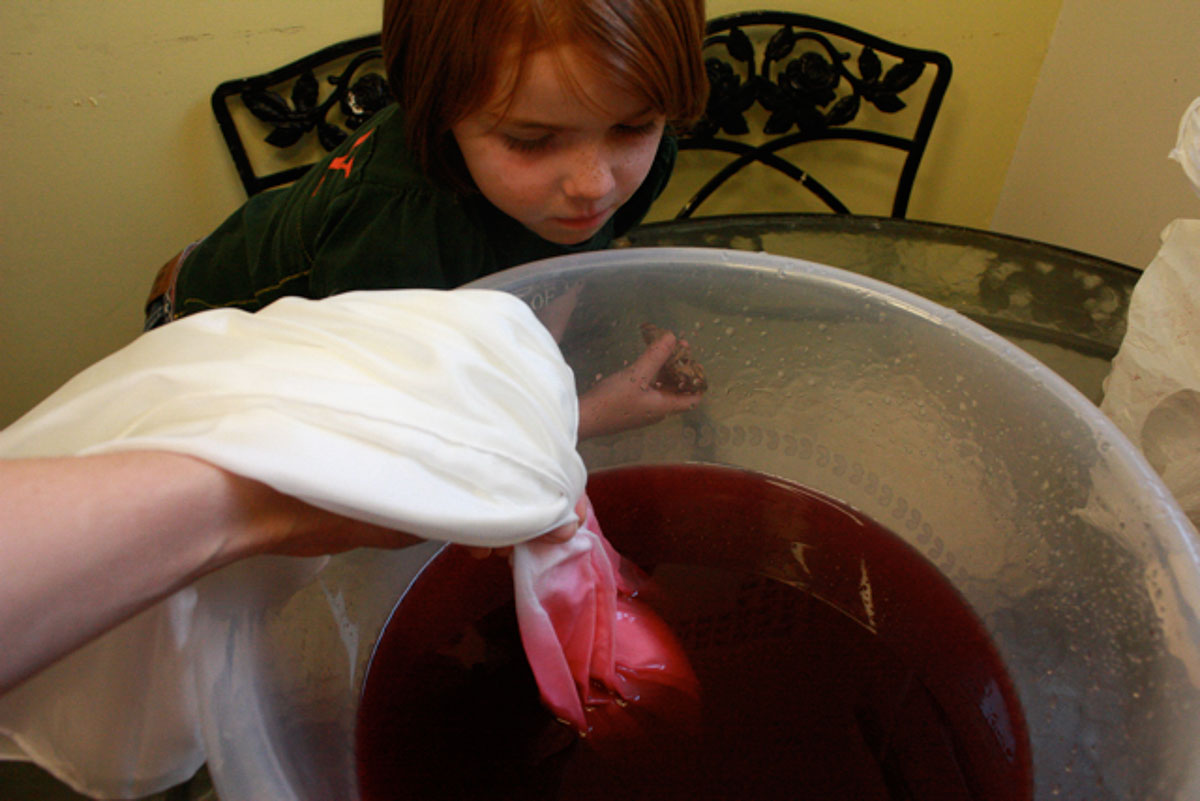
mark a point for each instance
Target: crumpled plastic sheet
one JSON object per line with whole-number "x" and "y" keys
{"x": 1152, "y": 393}
{"x": 1187, "y": 144}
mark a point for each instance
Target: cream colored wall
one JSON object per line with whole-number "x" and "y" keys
{"x": 113, "y": 161}
{"x": 1090, "y": 170}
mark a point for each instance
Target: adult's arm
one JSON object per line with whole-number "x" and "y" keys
{"x": 87, "y": 542}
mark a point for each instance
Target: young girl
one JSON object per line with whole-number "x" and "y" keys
{"x": 524, "y": 129}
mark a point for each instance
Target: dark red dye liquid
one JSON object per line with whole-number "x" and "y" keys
{"x": 834, "y": 662}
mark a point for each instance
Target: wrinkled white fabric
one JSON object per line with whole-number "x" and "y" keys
{"x": 1187, "y": 144}
{"x": 449, "y": 415}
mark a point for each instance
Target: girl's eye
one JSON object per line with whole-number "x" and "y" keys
{"x": 634, "y": 131}
{"x": 521, "y": 144}
{"x": 535, "y": 143}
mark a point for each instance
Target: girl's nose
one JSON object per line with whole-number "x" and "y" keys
{"x": 589, "y": 174}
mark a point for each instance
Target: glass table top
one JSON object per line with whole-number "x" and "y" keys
{"x": 1063, "y": 307}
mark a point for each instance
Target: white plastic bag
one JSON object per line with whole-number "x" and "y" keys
{"x": 1187, "y": 145}
{"x": 1153, "y": 391}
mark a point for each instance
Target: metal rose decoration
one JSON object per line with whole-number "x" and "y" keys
{"x": 729, "y": 97}
{"x": 796, "y": 79}
{"x": 803, "y": 92}
{"x": 367, "y": 95}
{"x": 292, "y": 118}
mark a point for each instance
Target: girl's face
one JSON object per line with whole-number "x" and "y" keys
{"x": 555, "y": 162}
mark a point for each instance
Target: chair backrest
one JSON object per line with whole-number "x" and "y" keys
{"x": 287, "y": 109}
{"x": 811, "y": 79}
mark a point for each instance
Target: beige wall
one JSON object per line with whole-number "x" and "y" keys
{"x": 1090, "y": 170}
{"x": 113, "y": 161}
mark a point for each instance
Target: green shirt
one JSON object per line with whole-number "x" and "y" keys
{"x": 367, "y": 218}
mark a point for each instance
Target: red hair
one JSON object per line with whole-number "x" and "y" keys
{"x": 443, "y": 58}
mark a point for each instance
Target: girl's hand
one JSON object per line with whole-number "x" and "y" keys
{"x": 633, "y": 397}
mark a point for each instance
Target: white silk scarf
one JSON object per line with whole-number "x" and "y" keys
{"x": 449, "y": 415}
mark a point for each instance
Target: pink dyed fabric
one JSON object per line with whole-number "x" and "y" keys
{"x": 604, "y": 661}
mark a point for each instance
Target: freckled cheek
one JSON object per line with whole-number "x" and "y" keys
{"x": 530, "y": 185}
{"x": 635, "y": 164}
{"x": 520, "y": 187}
{"x": 504, "y": 178}
{"x": 632, "y": 167}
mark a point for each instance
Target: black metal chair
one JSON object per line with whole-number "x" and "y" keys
{"x": 793, "y": 69}
{"x": 812, "y": 80}
{"x": 288, "y": 104}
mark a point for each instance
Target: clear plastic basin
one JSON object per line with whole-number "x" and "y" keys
{"x": 1045, "y": 519}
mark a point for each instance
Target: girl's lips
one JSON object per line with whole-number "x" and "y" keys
{"x": 583, "y": 223}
